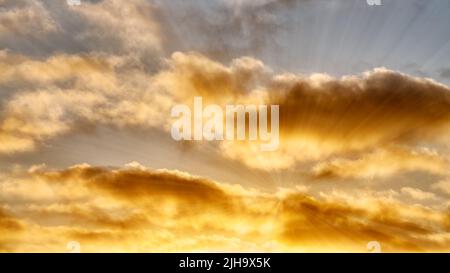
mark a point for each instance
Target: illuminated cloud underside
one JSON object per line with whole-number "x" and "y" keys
{"x": 139, "y": 209}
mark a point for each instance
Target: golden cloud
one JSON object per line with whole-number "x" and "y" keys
{"x": 443, "y": 185}
{"x": 7, "y": 222}
{"x": 104, "y": 67}
{"x": 74, "y": 91}
{"x": 10, "y": 227}
{"x": 382, "y": 163}
{"x": 320, "y": 116}
{"x": 139, "y": 209}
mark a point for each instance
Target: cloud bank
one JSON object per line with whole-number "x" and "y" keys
{"x": 139, "y": 209}
{"x": 320, "y": 116}
{"x": 362, "y": 157}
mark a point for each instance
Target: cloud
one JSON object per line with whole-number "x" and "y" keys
{"x": 144, "y": 29}
{"x": 11, "y": 143}
{"x": 25, "y": 18}
{"x": 75, "y": 92}
{"x": 86, "y": 71}
{"x": 9, "y": 223}
{"x": 70, "y": 70}
{"x": 310, "y": 222}
{"x": 26, "y": 26}
{"x": 126, "y": 26}
{"x": 320, "y": 116}
{"x": 225, "y": 30}
{"x": 10, "y": 226}
{"x": 368, "y": 109}
{"x": 135, "y": 208}
{"x": 139, "y": 184}
{"x": 443, "y": 185}
{"x": 382, "y": 163}
{"x": 44, "y": 28}
{"x": 418, "y": 194}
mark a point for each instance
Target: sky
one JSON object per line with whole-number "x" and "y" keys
{"x": 86, "y": 154}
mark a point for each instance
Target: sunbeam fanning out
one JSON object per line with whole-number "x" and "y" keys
{"x": 225, "y": 125}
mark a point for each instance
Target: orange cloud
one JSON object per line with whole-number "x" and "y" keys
{"x": 139, "y": 209}
{"x": 382, "y": 163}
{"x": 320, "y": 116}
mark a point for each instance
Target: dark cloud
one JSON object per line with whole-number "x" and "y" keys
{"x": 140, "y": 185}
{"x": 321, "y": 115}
{"x": 224, "y": 30}
{"x": 382, "y": 106}
{"x": 43, "y": 28}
